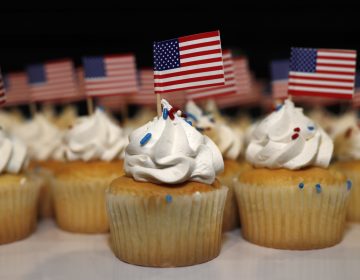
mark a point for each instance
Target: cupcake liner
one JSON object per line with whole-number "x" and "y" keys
{"x": 149, "y": 231}
{"x": 231, "y": 211}
{"x": 80, "y": 204}
{"x": 288, "y": 217}
{"x": 18, "y": 208}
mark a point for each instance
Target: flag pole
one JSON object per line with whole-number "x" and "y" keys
{"x": 158, "y": 104}
{"x": 90, "y": 105}
{"x": 32, "y": 108}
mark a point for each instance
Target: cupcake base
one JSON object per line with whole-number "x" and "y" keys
{"x": 18, "y": 207}
{"x": 296, "y": 210}
{"x": 79, "y": 195}
{"x": 158, "y": 226}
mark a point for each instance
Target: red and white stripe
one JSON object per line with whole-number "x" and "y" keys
{"x": 227, "y": 89}
{"x": 334, "y": 76}
{"x": 60, "y": 82}
{"x": 356, "y": 98}
{"x": 201, "y": 64}
{"x": 145, "y": 96}
{"x": 244, "y": 86}
{"x": 2, "y": 91}
{"x": 113, "y": 103}
{"x": 120, "y": 77}
{"x": 279, "y": 89}
{"x": 18, "y": 91}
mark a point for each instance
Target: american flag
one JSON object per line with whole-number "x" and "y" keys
{"x": 244, "y": 86}
{"x": 322, "y": 72}
{"x": 356, "y": 98}
{"x": 227, "y": 89}
{"x": 2, "y": 91}
{"x": 279, "y": 78}
{"x": 145, "y": 96}
{"x": 188, "y": 62}
{"x": 17, "y": 88}
{"x": 54, "y": 80}
{"x": 110, "y": 75}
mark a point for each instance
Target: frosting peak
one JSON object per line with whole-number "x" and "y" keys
{"x": 95, "y": 137}
{"x": 169, "y": 150}
{"x": 288, "y": 139}
{"x": 347, "y": 144}
{"x": 13, "y": 157}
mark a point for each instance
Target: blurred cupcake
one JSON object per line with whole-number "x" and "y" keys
{"x": 290, "y": 200}
{"x": 18, "y": 192}
{"x": 94, "y": 148}
{"x": 9, "y": 119}
{"x": 347, "y": 152}
{"x": 46, "y": 152}
{"x": 230, "y": 141}
{"x": 168, "y": 210}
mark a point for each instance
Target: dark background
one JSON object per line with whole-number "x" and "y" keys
{"x": 263, "y": 33}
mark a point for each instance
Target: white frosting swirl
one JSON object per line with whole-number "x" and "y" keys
{"x": 42, "y": 137}
{"x": 174, "y": 153}
{"x": 347, "y": 144}
{"x": 95, "y": 137}
{"x": 288, "y": 139}
{"x": 229, "y": 140}
{"x": 13, "y": 154}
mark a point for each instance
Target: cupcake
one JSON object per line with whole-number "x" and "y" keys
{"x": 230, "y": 141}
{"x": 18, "y": 191}
{"x": 290, "y": 200}
{"x": 46, "y": 152}
{"x": 347, "y": 153}
{"x": 167, "y": 211}
{"x": 94, "y": 148}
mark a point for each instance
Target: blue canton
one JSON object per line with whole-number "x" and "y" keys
{"x": 357, "y": 80}
{"x": 36, "y": 73}
{"x": 303, "y": 60}
{"x": 6, "y": 82}
{"x": 94, "y": 67}
{"x": 166, "y": 55}
{"x": 279, "y": 69}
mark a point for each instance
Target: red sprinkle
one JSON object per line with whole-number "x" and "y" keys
{"x": 294, "y": 136}
{"x": 184, "y": 115}
{"x": 171, "y": 113}
{"x": 348, "y": 132}
{"x": 297, "y": 129}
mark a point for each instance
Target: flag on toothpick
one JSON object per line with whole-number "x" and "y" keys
{"x": 2, "y": 91}
{"x": 145, "y": 95}
{"x": 356, "y": 98}
{"x": 227, "y": 89}
{"x": 52, "y": 81}
{"x": 188, "y": 62}
{"x": 110, "y": 75}
{"x": 17, "y": 88}
{"x": 322, "y": 72}
{"x": 279, "y": 78}
{"x": 244, "y": 85}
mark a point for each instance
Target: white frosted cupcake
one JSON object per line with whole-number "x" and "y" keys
{"x": 168, "y": 210}
{"x": 18, "y": 191}
{"x": 291, "y": 200}
{"x": 94, "y": 149}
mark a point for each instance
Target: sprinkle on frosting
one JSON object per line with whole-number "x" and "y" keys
{"x": 301, "y": 185}
{"x": 311, "y": 128}
{"x": 278, "y": 107}
{"x": 165, "y": 113}
{"x": 145, "y": 139}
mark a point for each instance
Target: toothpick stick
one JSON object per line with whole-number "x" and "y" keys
{"x": 33, "y": 109}
{"x": 158, "y": 104}
{"x": 90, "y": 105}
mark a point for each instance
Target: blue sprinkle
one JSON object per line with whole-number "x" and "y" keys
{"x": 212, "y": 120}
{"x": 348, "y": 185}
{"x": 168, "y": 198}
{"x": 189, "y": 122}
{"x": 278, "y": 107}
{"x": 145, "y": 139}
{"x": 301, "y": 185}
{"x": 191, "y": 116}
{"x": 311, "y": 128}
{"x": 101, "y": 108}
{"x": 165, "y": 113}
{"x": 200, "y": 129}
{"x": 318, "y": 188}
